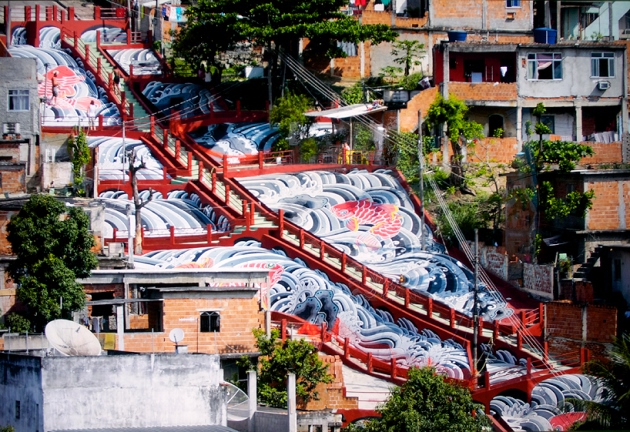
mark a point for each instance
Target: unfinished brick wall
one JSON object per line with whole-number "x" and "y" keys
{"x": 238, "y": 317}
{"x": 456, "y": 9}
{"x": 483, "y": 91}
{"x": 609, "y": 204}
{"x": 604, "y": 153}
{"x": 567, "y": 321}
{"x": 499, "y": 150}
{"x": 332, "y": 395}
{"x": 12, "y": 180}
{"x": 422, "y": 101}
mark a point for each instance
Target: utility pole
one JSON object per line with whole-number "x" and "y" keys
{"x": 421, "y": 162}
{"x": 475, "y": 341}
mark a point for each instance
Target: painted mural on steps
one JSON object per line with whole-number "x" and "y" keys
{"x": 298, "y": 290}
{"x": 179, "y": 209}
{"x": 236, "y": 139}
{"x": 369, "y": 217}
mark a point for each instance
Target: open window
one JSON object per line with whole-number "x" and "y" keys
{"x": 544, "y": 66}
{"x": 210, "y": 322}
{"x": 602, "y": 65}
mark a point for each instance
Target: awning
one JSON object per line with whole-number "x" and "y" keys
{"x": 348, "y": 111}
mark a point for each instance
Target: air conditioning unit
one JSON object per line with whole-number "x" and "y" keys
{"x": 603, "y": 85}
{"x": 11, "y": 129}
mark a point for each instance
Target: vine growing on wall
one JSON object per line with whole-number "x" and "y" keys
{"x": 80, "y": 156}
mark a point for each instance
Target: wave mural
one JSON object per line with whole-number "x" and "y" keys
{"x": 144, "y": 61}
{"x": 112, "y": 159}
{"x": 550, "y": 408}
{"x": 236, "y": 139}
{"x": 370, "y": 217}
{"x": 180, "y": 210}
{"x": 109, "y": 34}
{"x": 298, "y": 290}
{"x": 187, "y": 99}
{"x": 77, "y": 88}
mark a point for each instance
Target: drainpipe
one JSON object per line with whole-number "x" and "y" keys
{"x": 252, "y": 392}
{"x": 291, "y": 403}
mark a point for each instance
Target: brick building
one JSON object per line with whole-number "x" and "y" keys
{"x": 19, "y": 143}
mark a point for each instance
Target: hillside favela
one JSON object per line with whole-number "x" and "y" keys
{"x": 314, "y": 216}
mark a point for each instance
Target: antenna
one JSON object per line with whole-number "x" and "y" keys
{"x": 176, "y": 336}
{"x": 72, "y": 339}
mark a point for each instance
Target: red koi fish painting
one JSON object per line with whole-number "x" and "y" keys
{"x": 384, "y": 218}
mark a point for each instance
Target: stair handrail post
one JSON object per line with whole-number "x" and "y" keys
{"x": 99, "y": 65}
{"x": 200, "y": 172}
{"x": 130, "y": 70}
{"x": 227, "y": 195}
{"x": 38, "y": 10}
{"x": 208, "y": 233}
{"x": 430, "y": 307}
{"x": 98, "y": 41}
{"x": 71, "y": 13}
{"x": 281, "y": 223}
{"x": 260, "y": 160}
{"x": 213, "y": 178}
{"x": 75, "y": 41}
{"x": 252, "y": 213}
{"x": 225, "y": 165}
{"x": 152, "y": 125}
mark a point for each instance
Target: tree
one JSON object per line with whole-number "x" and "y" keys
{"x": 288, "y": 115}
{"x": 408, "y": 53}
{"x": 544, "y": 156}
{"x": 80, "y": 154}
{"x": 459, "y": 130}
{"x": 613, "y": 412}
{"x": 278, "y": 358}
{"x": 53, "y": 244}
{"x": 427, "y": 402}
{"x": 136, "y": 165}
{"x": 214, "y": 26}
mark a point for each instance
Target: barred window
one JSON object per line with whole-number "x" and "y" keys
{"x": 210, "y": 322}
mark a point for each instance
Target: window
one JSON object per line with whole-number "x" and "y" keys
{"x": 513, "y": 3}
{"x": 603, "y": 65}
{"x": 549, "y": 121}
{"x": 544, "y": 66}
{"x": 210, "y": 322}
{"x": 495, "y": 125}
{"x": 18, "y": 100}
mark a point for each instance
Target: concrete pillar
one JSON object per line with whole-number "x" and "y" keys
{"x": 291, "y": 403}
{"x": 578, "y": 123}
{"x": 362, "y": 54}
{"x": 120, "y": 327}
{"x": 484, "y": 15}
{"x": 252, "y": 392}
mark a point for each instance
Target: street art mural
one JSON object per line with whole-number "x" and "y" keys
{"x": 77, "y": 88}
{"x": 236, "y": 139}
{"x": 551, "y": 407}
{"x": 298, "y": 290}
{"x": 369, "y": 217}
{"x": 187, "y": 99}
{"x": 109, "y": 34}
{"x": 180, "y": 210}
{"x": 112, "y": 159}
{"x": 144, "y": 61}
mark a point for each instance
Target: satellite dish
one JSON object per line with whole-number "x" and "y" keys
{"x": 72, "y": 339}
{"x": 176, "y": 335}
{"x": 237, "y": 402}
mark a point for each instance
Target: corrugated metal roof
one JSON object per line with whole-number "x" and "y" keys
{"x": 208, "y": 428}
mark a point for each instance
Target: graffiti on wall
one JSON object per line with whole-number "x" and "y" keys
{"x": 538, "y": 279}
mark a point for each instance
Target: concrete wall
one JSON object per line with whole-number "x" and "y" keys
{"x": 20, "y": 74}
{"x": 576, "y": 74}
{"x": 21, "y": 381}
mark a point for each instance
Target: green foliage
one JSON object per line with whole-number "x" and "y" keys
{"x": 613, "y": 412}
{"x": 469, "y": 215}
{"x": 53, "y": 244}
{"x": 498, "y": 133}
{"x": 278, "y": 358}
{"x": 453, "y": 112}
{"x": 405, "y": 147}
{"x": 308, "y": 149}
{"x": 410, "y": 82}
{"x": 80, "y": 156}
{"x": 363, "y": 138}
{"x": 545, "y": 155}
{"x": 7, "y": 429}
{"x": 408, "y": 53}
{"x": 18, "y": 323}
{"x": 390, "y": 74}
{"x": 353, "y": 94}
{"x": 214, "y": 26}
{"x": 426, "y": 402}
{"x": 288, "y": 114}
